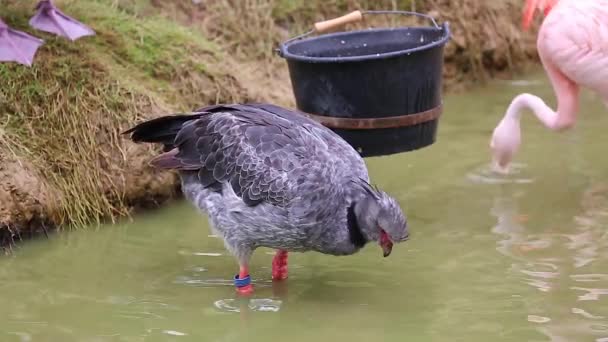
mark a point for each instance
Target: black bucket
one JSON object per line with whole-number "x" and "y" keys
{"x": 379, "y": 89}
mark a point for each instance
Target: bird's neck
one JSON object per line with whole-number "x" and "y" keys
{"x": 534, "y": 103}
{"x": 355, "y": 234}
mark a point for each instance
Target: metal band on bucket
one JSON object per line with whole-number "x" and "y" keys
{"x": 378, "y": 123}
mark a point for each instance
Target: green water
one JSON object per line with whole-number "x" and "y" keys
{"x": 518, "y": 258}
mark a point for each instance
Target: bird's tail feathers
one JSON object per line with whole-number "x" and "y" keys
{"x": 161, "y": 130}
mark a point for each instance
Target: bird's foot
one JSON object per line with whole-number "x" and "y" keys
{"x": 243, "y": 285}
{"x": 50, "y": 19}
{"x": 279, "y": 266}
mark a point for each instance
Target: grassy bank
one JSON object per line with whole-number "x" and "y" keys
{"x": 62, "y": 160}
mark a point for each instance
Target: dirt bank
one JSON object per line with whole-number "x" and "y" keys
{"x": 62, "y": 160}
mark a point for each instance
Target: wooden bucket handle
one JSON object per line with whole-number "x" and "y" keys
{"x": 330, "y": 24}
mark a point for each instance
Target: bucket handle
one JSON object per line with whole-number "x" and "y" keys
{"x": 326, "y": 25}
{"x": 355, "y": 16}
{"x": 352, "y": 17}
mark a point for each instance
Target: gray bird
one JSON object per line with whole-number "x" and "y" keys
{"x": 271, "y": 177}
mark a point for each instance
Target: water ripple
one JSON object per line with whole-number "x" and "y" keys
{"x": 198, "y": 269}
{"x": 487, "y": 175}
{"x": 138, "y": 315}
{"x": 174, "y": 333}
{"x": 589, "y": 277}
{"x": 545, "y": 275}
{"x": 540, "y": 273}
{"x": 599, "y": 327}
{"x": 261, "y": 305}
{"x": 211, "y": 254}
{"x": 558, "y": 255}
{"x": 539, "y": 284}
{"x": 538, "y": 319}
{"x": 207, "y": 254}
{"x": 585, "y": 314}
{"x": 186, "y": 280}
{"x": 592, "y": 294}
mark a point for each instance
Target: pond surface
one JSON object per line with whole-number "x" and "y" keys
{"x": 491, "y": 258}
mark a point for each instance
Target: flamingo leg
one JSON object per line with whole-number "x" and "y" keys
{"x": 567, "y": 92}
{"x": 279, "y": 265}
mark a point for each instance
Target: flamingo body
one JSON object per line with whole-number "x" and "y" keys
{"x": 573, "y": 47}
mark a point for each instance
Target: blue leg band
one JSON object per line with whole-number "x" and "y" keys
{"x": 242, "y": 282}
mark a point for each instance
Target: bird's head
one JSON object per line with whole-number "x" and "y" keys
{"x": 381, "y": 219}
{"x": 544, "y": 6}
{"x": 505, "y": 142}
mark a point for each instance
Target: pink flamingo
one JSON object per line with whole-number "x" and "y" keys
{"x": 573, "y": 47}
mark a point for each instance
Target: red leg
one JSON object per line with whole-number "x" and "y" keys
{"x": 279, "y": 265}
{"x": 244, "y": 273}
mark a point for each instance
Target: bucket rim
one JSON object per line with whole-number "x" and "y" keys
{"x": 284, "y": 53}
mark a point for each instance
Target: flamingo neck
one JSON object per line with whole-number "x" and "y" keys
{"x": 534, "y": 103}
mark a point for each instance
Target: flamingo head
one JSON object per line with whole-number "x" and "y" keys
{"x": 505, "y": 142}
{"x": 544, "y": 6}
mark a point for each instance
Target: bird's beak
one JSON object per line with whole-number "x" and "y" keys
{"x": 386, "y": 243}
{"x": 529, "y": 10}
{"x": 500, "y": 161}
{"x": 504, "y": 144}
{"x": 500, "y": 165}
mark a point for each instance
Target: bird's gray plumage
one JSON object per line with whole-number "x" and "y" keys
{"x": 271, "y": 177}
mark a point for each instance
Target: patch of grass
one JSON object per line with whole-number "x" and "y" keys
{"x": 486, "y": 37}
{"x": 302, "y": 12}
{"x": 66, "y": 112}
{"x": 154, "y": 45}
{"x": 255, "y": 27}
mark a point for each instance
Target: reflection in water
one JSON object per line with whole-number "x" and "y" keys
{"x": 538, "y": 319}
{"x": 585, "y": 314}
{"x": 556, "y": 264}
{"x": 203, "y": 282}
{"x": 592, "y": 294}
{"x": 174, "y": 333}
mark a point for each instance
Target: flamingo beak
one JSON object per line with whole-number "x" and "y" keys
{"x": 501, "y": 162}
{"x": 500, "y": 157}
{"x": 529, "y": 10}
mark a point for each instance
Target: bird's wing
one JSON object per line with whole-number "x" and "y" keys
{"x": 267, "y": 153}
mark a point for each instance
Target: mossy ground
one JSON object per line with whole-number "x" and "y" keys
{"x": 61, "y": 119}
{"x": 63, "y": 162}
